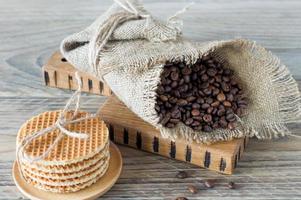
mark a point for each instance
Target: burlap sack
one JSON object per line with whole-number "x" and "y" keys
{"x": 127, "y": 48}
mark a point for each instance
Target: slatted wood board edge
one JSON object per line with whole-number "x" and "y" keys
{"x": 127, "y": 129}
{"x": 59, "y": 73}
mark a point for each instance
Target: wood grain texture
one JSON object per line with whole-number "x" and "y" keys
{"x": 126, "y": 128}
{"x": 31, "y": 31}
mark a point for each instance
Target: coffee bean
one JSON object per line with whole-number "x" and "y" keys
{"x": 195, "y": 106}
{"x": 186, "y": 79}
{"x": 165, "y": 119}
{"x": 207, "y": 128}
{"x": 231, "y": 185}
{"x": 223, "y": 123}
{"x": 160, "y": 90}
{"x": 192, "y": 189}
{"x": 163, "y": 98}
{"x": 230, "y": 116}
{"x": 195, "y": 123}
{"x": 209, "y": 110}
{"x": 204, "y": 77}
{"x": 221, "y": 97}
{"x": 174, "y": 75}
{"x": 211, "y": 72}
{"x": 195, "y": 112}
{"x": 209, "y": 183}
{"x": 207, "y": 118}
{"x": 230, "y": 97}
{"x": 205, "y": 106}
{"x": 182, "y": 175}
{"x": 186, "y": 71}
{"x": 191, "y": 98}
{"x": 182, "y": 102}
{"x": 227, "y": 104}
{"x": 215, "y": 91}
{"x": 225, "y": 87}
{"x": 167, "y": 89}
{"x": 188, "y": 121}
{"x": 215, "y": 104}
{"x": 181, "y": 198}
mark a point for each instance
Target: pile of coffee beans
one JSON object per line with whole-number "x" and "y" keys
{"x": 204, "y": 96}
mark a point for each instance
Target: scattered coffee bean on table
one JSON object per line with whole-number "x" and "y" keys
{"x": 209, "y": 183}
{"x": 192, "y": 189}
{"x": 231, "y": 185}
{"x": 204, "y": 96}
{"x": 182, "y": 175}
{"x": 181, "y": 198}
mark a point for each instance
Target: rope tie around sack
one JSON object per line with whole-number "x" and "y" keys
{"x": 59, "y": 124}
{"x": 104, "y": 32}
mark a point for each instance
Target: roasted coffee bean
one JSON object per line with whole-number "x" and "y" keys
{"x": 175, "y": 121}
{"x": 195, "y": 123}
{"x": 211, "y": 72}
{"x": 186, "y": 79}
{"x": 231, "y": 185}
{"x": 225, "y": 87}
{"x": 204, "y": 77}
{"x": 215, "y": 104}
{"x": 223, "y": 123}
{"x": 174, "y": 75}
{"x": 165, "y": 119}
{"x": 230, "y": 117}
{"x": 182, "y": 102}
{"x": 207, "y": 128}
{"x": 221, "y": 97}
{"x": 195, "y": 112}
{"x": 215, "y": 91}
{"x": 188, "y": 121}
{"x": 182, "y": 175}
{"x": 209, "y": 110}
{"x": 195, "y": 106}
{"x": 167, "y": 89}
{"x": 227, "y": 103}
{"x": 209, "y": 183}
{"x": 191, "y": 98}
{"x": 205, "y": 106}
{"x": 230, "y": 97}
{"x": 207, "y": 118}
{"x": 204, "y": 96}
{"x": 181, "y": 198}
{"x": 172, "y": 100}
{"x": 192, "y": 189}
{"x": 163, "y": 98}
{"x": 186, "y": 71}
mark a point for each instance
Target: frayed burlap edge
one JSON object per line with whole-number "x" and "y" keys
{"x": 284, "y": 85}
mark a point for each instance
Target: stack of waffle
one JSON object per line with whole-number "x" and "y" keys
{"x": 73, "y": 164}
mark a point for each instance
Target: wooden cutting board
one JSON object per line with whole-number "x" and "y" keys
{"x": 128, "y": 129}
{"x": 60, "y": 74}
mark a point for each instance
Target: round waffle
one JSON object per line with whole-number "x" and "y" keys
{"x": 62, "y": 155}
{"x": 74, "y": 167}
{"x": 72, "y": 163}
{"x": 68, "y": 181}
{"x": 65, "y": 175}
{"x": 96, "y": 187}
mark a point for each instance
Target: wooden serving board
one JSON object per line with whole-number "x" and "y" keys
{"x": 59, "y": 73}
{"x": 127, "y": 128}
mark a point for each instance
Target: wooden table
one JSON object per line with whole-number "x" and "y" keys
{"x": 31, "y": 30}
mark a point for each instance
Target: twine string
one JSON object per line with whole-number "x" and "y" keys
{"x": 60, "y": 124}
